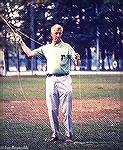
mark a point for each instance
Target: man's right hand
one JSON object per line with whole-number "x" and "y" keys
{"x": 25, "y": 48}
{"x": 18, "y": 38}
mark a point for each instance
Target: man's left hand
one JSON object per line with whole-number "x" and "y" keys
{"x": 77, "y": 56}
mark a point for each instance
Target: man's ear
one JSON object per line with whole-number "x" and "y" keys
{"x": 51, "y": 34}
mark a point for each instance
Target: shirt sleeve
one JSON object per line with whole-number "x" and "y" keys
{"x": 38, "y": 51}
{"x": 72, "y": 53}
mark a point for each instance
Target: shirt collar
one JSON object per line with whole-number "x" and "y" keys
{"x": 57, "y": 45}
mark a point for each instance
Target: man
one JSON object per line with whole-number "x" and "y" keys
{"x": 58, "y": 81}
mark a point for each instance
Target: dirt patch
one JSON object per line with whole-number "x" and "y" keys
{"x": 35, "y": 111}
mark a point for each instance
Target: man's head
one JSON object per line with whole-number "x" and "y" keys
{"x": 56, "y": 33}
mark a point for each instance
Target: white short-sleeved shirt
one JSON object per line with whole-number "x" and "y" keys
{"x": 58, "y": 57}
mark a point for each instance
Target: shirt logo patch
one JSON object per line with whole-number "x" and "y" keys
{"x": 62, "y": 57}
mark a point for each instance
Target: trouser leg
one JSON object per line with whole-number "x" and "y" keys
{"x": 67, "y": 113}
{"x": 65, "y": 91}
{"x": 52, "y": 105}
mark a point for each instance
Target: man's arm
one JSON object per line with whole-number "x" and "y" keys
{"x": 75, "y": 57}
{"x": 24, "y": 47}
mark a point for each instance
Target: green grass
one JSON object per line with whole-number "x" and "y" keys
{"x": 84, "y": 86}
{"x": 93, "y": 136}
{"x": 17, "y": 88}
{"x": 87, "y": 136}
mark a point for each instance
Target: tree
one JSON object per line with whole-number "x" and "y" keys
{"x": 79, "y": 19}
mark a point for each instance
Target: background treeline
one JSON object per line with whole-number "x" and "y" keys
{"x": 90, "y": 26}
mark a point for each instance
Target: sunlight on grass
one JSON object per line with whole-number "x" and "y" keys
{"x": 84, "y": 86}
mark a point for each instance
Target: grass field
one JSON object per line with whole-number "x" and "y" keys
{"x": 84, "y": 86}
{"x": 97, "y": 112}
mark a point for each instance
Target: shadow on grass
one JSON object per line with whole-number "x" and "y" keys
{"x": 93, "y": 136}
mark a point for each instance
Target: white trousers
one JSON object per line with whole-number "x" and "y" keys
{"x": 59, "y": 92}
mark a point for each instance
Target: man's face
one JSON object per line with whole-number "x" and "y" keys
{"x": 56, "y": 35}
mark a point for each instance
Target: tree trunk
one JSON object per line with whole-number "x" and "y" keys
{"x": 33, "y": 60}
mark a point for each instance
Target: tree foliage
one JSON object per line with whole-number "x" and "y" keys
{"x": 78, "y": 17}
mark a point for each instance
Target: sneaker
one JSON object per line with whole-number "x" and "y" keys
{"x": 54, "y": 139}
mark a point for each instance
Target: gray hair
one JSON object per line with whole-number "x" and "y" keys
{"x": 56, "y": 26}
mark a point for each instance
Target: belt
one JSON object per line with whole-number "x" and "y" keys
{"x": 57, "y": 75}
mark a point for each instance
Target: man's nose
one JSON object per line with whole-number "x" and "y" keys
{"x": 58, "y": 35}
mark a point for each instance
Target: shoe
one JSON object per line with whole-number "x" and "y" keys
{"x": 53, "y": 139}
{"x": 69, "y": 139}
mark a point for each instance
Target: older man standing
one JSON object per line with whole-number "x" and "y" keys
{"x": 58, "y": 82}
